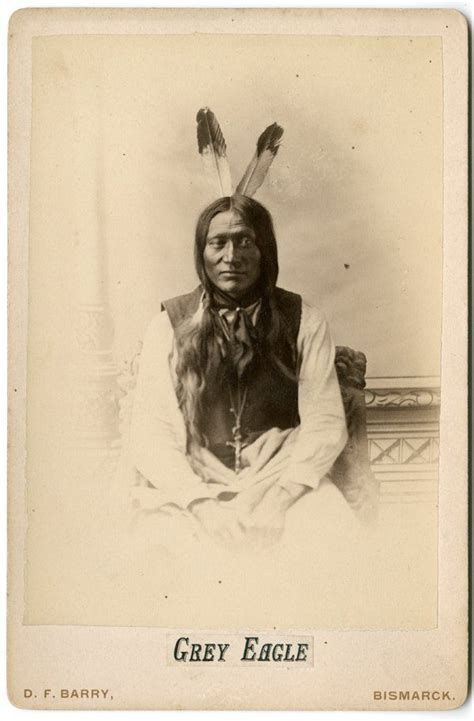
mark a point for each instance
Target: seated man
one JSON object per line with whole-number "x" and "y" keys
{"x": 238, "y": 415}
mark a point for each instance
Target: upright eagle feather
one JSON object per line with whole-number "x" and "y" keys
{"x": 267, "y": 147}
{"x": 212, "y": 148}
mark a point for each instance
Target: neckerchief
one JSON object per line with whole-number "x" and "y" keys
{"x": 235, "y": 330}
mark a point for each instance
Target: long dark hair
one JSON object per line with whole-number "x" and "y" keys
{"x": 199, "y": 357}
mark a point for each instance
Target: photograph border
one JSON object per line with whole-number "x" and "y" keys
{"x": 452, "y": 630}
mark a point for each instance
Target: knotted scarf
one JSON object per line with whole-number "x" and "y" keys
{"x": 235, "y": 326}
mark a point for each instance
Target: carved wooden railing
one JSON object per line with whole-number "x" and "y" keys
{"x": 403, "y": 435}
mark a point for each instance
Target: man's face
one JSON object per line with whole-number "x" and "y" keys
{"x": 231, "y": 255}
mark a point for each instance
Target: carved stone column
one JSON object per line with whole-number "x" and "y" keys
{"x": 95, "y": 390}
{"x": 95, "y": 408}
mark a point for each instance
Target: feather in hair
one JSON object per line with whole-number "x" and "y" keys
{"x": 267, "y": 147}
{"x": 212, "y": 147}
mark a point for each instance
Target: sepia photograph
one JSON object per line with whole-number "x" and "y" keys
{"x": 234, "y": 275}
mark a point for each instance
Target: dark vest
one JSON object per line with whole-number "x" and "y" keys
{"x": 271, "y": 397}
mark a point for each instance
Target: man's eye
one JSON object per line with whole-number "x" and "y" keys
{"x": 216, "y": 243}
{"x": 246, "y": 242}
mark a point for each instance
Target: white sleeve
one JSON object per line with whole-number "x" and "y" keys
{"x": 322, "y": 433}
{"x": 157, "y": 432}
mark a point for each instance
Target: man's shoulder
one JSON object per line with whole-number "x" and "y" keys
{"x": 287, "y": 296}
{"x": 288, "y": 302}
{"x": 311, "y": 317}
{"x": 289, "y": 305}
{"x": 182, "y": 306}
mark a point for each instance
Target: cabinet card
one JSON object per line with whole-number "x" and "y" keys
{"x": 238, "y": 382}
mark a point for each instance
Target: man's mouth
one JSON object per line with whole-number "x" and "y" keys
{"x": 231, "y": 273}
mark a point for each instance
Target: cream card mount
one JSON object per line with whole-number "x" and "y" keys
{"x": 315, "y": 557}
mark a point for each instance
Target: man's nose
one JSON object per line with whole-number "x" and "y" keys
{"x": 230, "y": 253}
